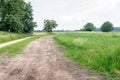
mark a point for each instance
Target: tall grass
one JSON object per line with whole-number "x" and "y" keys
{"x": 96, "y": 51}
{"x": 7, "y": 36}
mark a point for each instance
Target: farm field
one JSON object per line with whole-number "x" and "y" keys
{"x": 97, "y": 51}
{"x": 6, "y": 36}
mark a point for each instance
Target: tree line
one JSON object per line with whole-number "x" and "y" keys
{"x": 16, "y": 16}
{"x": 106, "y": 27}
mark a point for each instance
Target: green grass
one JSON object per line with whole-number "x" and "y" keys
{"x": 7, "y": 36}
{"x": 98, "y": 51}
{"x": 16, "y": 48}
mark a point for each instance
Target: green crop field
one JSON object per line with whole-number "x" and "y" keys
{"x": 6, "y": 36}
{"x": 98, "y": 51}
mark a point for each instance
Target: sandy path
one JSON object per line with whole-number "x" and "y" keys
{"x": 12, "y": 42}
{"x": 42, "y": 60}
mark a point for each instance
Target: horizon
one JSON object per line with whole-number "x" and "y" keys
{"x": 98, "y": 28}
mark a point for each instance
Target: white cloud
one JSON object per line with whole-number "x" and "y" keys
{"x": 73, "y": 14}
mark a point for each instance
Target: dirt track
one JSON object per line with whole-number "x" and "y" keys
{"x": 42, "y": 60}
{"x": 12, "y": 42}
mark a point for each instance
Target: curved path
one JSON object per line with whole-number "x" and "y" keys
{"x": 43, "y": 60}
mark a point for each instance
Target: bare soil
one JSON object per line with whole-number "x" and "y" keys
{"x": 43, "y": 60}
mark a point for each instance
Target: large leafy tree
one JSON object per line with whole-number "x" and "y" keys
{"x": 0, "y": 16}
{"x": 13, "y": 24}
{"x": 1, "y": 12}
{"x": 28, "y": 19}
{"x": 11, "y": 15}
{"x": 89, "y": 27}
{"x": 107, "y": 27}
{"x": 16, "y": 16}
{"x": 49, "y": 25}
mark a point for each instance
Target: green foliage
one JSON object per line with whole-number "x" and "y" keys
{"x": 89, "y": 27}
{"x": 96, "y": 51}
{"x": 28, "y": 19}
{"x": 16, "y": 16}
{"x": 107, "y": 27}
{"x": 13, "y": 23}
{"x": 49, "y": 25}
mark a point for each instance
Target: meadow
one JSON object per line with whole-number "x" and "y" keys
{"x": 97, "y": 51}
{"x": 7, "y": 36}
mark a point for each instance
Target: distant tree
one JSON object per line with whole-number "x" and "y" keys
{"x": 89, "y": 27}
{"x": 82, "y": 29}
{"x": 107, "y": 27}
{"x": 49, "y": 25}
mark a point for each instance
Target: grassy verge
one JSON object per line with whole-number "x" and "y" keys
{"x": 98, "y": 51}
{"x": 7, "y": 36}
{"x": 14, "y": 49}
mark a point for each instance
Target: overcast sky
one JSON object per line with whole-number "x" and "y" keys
{"x": 73, "y": 14}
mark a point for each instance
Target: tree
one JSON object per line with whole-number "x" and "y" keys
{"x": 49, "y": 25}
{"x": 16, "y": 16}
{"x": 89, "y": 27}
{"x": 82, "y": 29}
{"x": 1, "y": 9}
{"x": 11, "y": 16}
{"x": 27, "y": 19}
{"x": 13, "y": 24}
{"x": 107, "y": 27}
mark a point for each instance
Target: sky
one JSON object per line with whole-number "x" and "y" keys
{"x": 74, "y": 14}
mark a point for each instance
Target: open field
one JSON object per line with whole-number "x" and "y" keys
{"x": 98, "y": 51}
{"x": 6, "y": 36}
